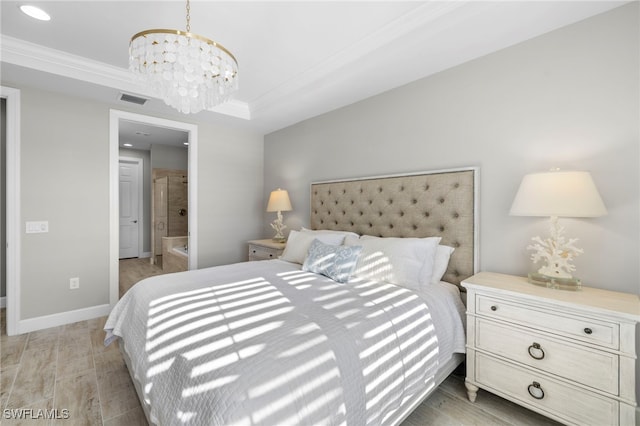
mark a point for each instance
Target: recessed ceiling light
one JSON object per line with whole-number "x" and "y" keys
{"x": 185, "y": 143}
{"x": 127, "y": 145}
{"x": 35, "y": 12}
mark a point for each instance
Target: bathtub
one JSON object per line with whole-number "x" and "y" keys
{"x": 175, "y": 256}
{"x": 182, "y": 251}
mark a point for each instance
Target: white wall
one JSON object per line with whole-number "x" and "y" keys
{"x": 65, "y": 180}
{"x": 568, "y": 99}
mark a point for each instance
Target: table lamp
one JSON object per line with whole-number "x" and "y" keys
{"x": 279, "y": 202}
{"x": 557, "y": 194}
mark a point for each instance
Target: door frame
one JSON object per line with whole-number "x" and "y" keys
{"x": 12, "y": 214}
{"x": 141, "y": 223}
{"x": 115, "y": 116}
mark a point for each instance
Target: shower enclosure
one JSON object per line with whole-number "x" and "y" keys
{"x": 169, "y": 208}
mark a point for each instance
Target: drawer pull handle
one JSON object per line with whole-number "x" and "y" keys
{"x": 537, "y": 347}
{"x": 494, "y": 308}
{"x": 588, "y": 330}
{"x": 537, "y": 392}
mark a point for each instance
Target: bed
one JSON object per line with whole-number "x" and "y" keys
{"x": 357, "y": 323}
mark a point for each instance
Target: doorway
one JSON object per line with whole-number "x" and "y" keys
{"x": 11, "y": 218}
{"x": 131, "y": 203}
{"x": 116, "y": 119}
{"x": 3, "y": 204}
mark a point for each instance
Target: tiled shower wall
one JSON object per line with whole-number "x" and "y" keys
{"x": 169, "y": 206}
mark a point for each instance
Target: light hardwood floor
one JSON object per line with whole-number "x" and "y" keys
{"x": 134, "y": 270}
{"x": 69, "y": 368}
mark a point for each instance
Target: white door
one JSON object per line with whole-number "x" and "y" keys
{"x": 129, "y": 209}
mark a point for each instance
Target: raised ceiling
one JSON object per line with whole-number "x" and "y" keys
{"x": 297, "y": 59}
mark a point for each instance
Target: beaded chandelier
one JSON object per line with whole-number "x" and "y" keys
{"x": 188, "y": 71}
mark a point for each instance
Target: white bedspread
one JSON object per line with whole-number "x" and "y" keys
{"x": 263, "y": 343}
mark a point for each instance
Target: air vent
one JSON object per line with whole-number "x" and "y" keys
{"x": 133, "y": 99}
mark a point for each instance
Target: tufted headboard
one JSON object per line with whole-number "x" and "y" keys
{"x": 440, "y": 203}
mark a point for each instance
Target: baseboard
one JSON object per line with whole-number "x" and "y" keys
{"x": 145, "y": 254}
{"x": 3, "y": 302}
{"x": 63, "y": 318}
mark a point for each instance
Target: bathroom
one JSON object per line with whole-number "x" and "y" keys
{"x": 170, "y": 230}
{"x": 162, "y": 155}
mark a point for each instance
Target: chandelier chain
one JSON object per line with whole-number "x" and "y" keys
{"x": 188, "y": 17}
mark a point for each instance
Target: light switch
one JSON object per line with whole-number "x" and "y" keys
{"x": 37, "y": 227}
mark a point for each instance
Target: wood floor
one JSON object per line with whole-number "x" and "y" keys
{"x": 133, "y": 270}
{"x": 69, "y": 368}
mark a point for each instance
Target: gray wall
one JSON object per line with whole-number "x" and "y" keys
{"x": 65, "y": 180}
{"x": 568, "y": 99}
{"x": 230, "y": 187}
{"x": 147, "y": 189}
{"x": 169, "y": 157}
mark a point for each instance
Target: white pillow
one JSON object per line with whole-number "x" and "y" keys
{"x": 298, "y": 244}
{"x": 403, "y": 261}
{"x": 330, "y": 231}
{"x": 441, "y": 263}
{"x": 351, "y": 240}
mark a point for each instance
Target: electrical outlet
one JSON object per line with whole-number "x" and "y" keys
{"x": 74, "y": 283}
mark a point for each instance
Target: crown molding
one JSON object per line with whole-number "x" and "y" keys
{"x": 430, "y": 15}
{"x": 33, "y": 56}
{"x": 30, "y": 55}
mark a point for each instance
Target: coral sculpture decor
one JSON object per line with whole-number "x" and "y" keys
{"x": 556, "y": 252}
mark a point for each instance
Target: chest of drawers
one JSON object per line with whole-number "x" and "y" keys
{"x": 567, "y": 355}
{"x": 265, "y": 249}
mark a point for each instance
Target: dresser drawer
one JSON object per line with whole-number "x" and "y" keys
{"x": 263, "y": 253}
{"x": 573, "y": 326}
{"x": 574, "y": 405}
{"x": 591, "y": 367}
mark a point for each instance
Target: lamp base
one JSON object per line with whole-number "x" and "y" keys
{"x": 571, "y": 284}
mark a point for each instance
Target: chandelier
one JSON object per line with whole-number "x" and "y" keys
{"x": 188, "y": 71}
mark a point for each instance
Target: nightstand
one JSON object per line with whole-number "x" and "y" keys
{"x": 569, "y": 355}
{"x": 265, "y": 249}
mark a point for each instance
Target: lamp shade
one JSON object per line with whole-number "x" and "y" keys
{"x": 279, "y": 201}
{"x": 558, "y": 193}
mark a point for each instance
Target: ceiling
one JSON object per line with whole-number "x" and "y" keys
{"x": 297, "y": 59}
{"x": 141, "y": 136}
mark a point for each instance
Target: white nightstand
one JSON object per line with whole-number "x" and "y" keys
{"x": 265, "y": 249}
{"x": 569, "y": 355}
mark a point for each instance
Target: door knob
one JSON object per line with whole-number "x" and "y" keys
{"x": 134, "y": 221}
